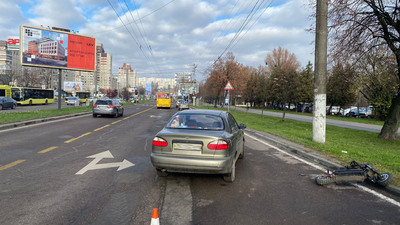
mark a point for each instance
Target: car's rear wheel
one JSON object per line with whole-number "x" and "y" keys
{"x": 14, "y": 106}
{"x": 94, "y": 115}
{"x": 30, "y": 102}
{"x": 241, "y": 156}
{"x": 230, "y": 177}
{"x": 116, "y": 114}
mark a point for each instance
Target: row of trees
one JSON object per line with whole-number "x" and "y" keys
{"x": 364, "y": 64}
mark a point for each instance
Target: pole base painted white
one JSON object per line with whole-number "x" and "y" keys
{"x": 319, "y": 118}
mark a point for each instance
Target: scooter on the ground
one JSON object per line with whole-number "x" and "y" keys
{"x": 355, "y": 172}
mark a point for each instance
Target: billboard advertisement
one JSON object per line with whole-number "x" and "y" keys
{"x": 13, "y": 43}
{"x": 56, "y": 49}
{"x": 72, "y": 86}
{"x": 148, "y": 88}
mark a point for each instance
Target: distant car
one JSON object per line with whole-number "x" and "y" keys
{"x": 134, "y": 100}
{"x": 183, "y": 105}
{"x": 73, "y": 101}
{"x": 92, "y": 100}
{"x": 178, "y": 103}
{"x": 110, "y": 107}
{"x": 199, "y": 141}
{"x": 7, "y": 103}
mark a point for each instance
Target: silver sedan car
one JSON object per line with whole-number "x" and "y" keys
{"x": 199, "y": 141}
{"x": 110, "y": 107}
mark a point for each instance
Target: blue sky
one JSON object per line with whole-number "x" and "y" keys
{"x": 161, "y": 37}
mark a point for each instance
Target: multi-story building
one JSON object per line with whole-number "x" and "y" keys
{"x": 105, "y": 71}
{"x": 5, "y": 63}
{"x": 126, "y": 76}
{"x": 52, "y": 49}
{"x": 161, "y": 84}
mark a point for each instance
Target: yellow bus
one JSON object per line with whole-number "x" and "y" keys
{"x": 83, "y": 95}
{"x": 5, "y": 90}
{"x": 163, "y": 100}
{"x": 31, "y": 96}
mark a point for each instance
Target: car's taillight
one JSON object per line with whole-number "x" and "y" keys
{"x": 160, "y": 142}
{"x": 95, "y": 105}
{"x": 111, "y": 106}
{"x": 218, "y": 145}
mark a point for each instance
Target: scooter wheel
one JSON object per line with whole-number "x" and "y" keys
{"x": 384, "y": 179}
{"x": 323, "y": 179}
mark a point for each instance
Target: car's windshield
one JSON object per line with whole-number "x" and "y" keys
{"x": 196, "y": 121}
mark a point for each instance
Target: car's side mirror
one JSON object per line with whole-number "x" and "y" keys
{"x": 242, "y": 126}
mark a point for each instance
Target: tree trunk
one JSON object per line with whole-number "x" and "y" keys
{"x": 391, "y": 125}
{"x": 284, "y": 113}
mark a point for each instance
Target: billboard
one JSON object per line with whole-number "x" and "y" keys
{"x": 13, "y": 43}
{"x": 56, "y": 49}
{"x": 72, "y": 86}
{"x": 148, "y": 89}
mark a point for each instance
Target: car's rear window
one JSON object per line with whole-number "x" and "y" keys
{"x": 196, "y": 121}
{"x": 104, "y": 102}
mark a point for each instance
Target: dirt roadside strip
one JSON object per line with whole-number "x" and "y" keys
{"x": 287, "y": 145}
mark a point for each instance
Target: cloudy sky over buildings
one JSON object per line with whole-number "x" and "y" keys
{"x": 161, "y": 37}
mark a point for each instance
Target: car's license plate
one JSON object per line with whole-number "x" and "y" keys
{"x": 187, "y": 146}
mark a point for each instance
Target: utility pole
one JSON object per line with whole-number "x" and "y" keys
{"x": 321, "y": 43}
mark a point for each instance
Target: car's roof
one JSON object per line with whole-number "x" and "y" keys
{"x": 203, "y": 111}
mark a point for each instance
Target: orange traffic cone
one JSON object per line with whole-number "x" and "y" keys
{"x": 155, "y": 220}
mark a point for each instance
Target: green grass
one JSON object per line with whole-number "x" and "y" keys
{"x": 28, "y": 115}
{"x": 362, "y": 146}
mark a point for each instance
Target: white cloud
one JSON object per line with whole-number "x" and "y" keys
{"x": 178, "y": 34}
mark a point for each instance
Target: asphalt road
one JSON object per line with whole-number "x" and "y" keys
{"x": 65, "y": 172}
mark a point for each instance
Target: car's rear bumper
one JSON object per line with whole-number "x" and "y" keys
{"x": 104, "y": 111}
{"x": 186, "y": 164}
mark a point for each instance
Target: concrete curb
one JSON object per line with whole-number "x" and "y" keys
{"x": 40, "y": 120}
{"x": 311, "y": 155}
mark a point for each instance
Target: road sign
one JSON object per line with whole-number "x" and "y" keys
{"x": 228, "y": 86}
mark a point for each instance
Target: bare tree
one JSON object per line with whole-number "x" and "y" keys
{"x": 283, "y": 67}
{"x": 356, "y": 27}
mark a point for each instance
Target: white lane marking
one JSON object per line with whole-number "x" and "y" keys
{"x": 97, "y": 157}
{"x": 379, "y": 195}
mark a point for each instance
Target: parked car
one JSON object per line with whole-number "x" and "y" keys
{"x": 73, "y": 101}
{"x": 7, "y": 103}
{"x": 199, "y": 141}
{"x": 183, "y": 105}
{"x": 110, "y": 107}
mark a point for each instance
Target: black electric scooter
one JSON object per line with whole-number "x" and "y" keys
{"x": 355, "y": 172}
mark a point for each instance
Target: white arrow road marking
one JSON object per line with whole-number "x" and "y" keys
{"x": 97, "y": 157}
